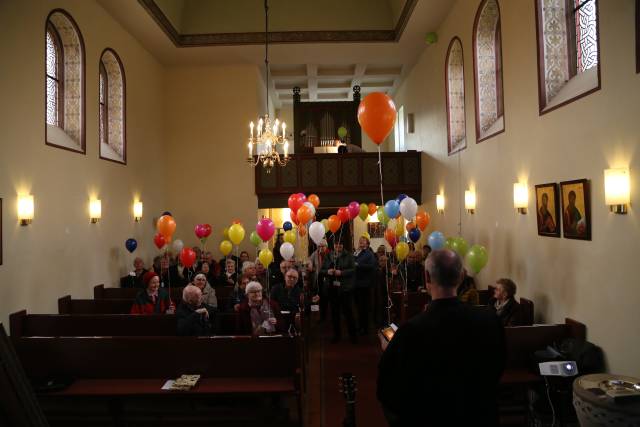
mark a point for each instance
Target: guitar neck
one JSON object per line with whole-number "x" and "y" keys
{"x": 350, "y": 415}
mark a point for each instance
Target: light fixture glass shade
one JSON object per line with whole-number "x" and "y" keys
{"x": 617, "y": 187}
{"x": 95, "y": 210}
{"x": 520, "y": 195}
{"x": 440, "y": 203}
{"x": 25, "y": 209}
{"x": 470, "y": 200}
{"x": 137, "y": 211}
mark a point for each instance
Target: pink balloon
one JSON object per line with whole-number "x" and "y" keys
{"x": 265, "y": 229}
{"x": 354, "y": 209}
{"x": 203, "y": 230}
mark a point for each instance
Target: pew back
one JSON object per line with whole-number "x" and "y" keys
{"x": 67, "y": 305}
{"x": 100, "y": 292}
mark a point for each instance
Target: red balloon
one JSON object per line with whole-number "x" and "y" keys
{"x": 343, "y": 215}
{"x": 159, "y": 240}
{"x": 187, "y": 257}
{"x": 377, "y": 115}
{"x": 203, "y": 231}
{"x": 390, "y": 236}
{"x": 372, "y": 208}
{"x": 294, "y": 217}
{"x": 295, "y": 201}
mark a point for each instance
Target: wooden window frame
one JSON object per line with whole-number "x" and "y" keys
{"x": 124, "y": 109}
{"x": 499, "y": 71}
{"x": 464, "y": 99}
{"x": 572, "y": 59}
{"x": 83, "y": 91}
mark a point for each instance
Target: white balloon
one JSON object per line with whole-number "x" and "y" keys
{"x": 286, "y": 250}
{"x": 178, "y": 245}
{"x": 310, "y": 206}
{"x": 408, "y": 208}
{"x": 317, "y": 232}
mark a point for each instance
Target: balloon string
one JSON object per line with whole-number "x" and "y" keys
{"x": 389, "y": 302}
{"x": 380, "y": 170}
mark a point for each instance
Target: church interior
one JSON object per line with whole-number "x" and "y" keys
{"x": 504, "y": 130}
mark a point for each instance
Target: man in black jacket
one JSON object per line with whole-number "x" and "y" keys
{"x": 443, "y": 366}
{"x": 338, "y": 270}
{"x": 193, "y": 317}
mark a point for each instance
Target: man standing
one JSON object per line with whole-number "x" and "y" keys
{"x": 443, "y": 366}
{"x": 338, "y": 270}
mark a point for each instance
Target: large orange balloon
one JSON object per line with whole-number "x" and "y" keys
{"x": 334, "y": 223}
{"x": 422, "y": 219}
{"x": 377, "y": 115}
{"x": 372, "y": 208}
{"x": 304, "y": 214}
{"x": 314, "y": 199}
{"x": 166, "y": 226}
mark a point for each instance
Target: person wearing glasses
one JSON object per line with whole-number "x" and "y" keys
{"x": 257, "y": 315}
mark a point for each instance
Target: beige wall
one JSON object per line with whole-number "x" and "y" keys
{"x": 208, "y": 110}
{"x": 594, "y": 282}
{"x": 61, "y": 252}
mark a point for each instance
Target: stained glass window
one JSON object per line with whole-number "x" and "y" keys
{"x": 53, "y": 80}
{"x": 455, "y": 97}
{"x": 586, "y": 34}
{"x": 103, "y": 105}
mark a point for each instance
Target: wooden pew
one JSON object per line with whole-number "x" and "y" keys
{"x": 67, "y": 305}
{"x": 58, "y": 325}
{"x": 122, "y": 377}
{"x": 100, "y": 292}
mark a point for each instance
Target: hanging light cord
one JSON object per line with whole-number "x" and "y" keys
{"x": 266, "y": 47}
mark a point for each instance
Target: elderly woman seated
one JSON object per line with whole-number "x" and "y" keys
{"x": 194, "y": 317}
{"x": 467, "y": 292}
{"x": 505, "y": 304}
{"x": 259, "y": 316}
{"x": 208, "y": 293}
{"x": 152, "y": 299}
{"x": 249, "y": 269}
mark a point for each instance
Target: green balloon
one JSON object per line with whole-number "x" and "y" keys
{"x": 477, "y": 258}
{"x": 431, "y": 38}
{"x": 254, "y": 238}
{"x": 364, "y": 211}
{"x": 460, "y": 246}
{"x": 342, "y": 132}
{"x": 382, "y": 217}
{"x": 449, "y": 243}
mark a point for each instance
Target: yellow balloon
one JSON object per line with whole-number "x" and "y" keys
{"x": 236, "y": 234}
{"x": 402, "y": 250}
{"x": 225, "y": 233}
{"x": 225, "y": 247}
{"x": 290, "y": 236}
{"x": 399, "y": 226}
{"x": 265, "y": 256}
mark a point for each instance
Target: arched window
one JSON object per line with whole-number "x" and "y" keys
{"x": 112, "y": 108}
{"x": 454, "y": 82}
{"x": 64, "y": 83}
{"x": 487, "y": 64}
{"x": 568, "y": 51}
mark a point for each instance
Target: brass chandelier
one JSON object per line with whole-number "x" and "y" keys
{"x": 269, "y": 136}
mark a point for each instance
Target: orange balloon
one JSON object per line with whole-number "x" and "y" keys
{"x": 334, "y": 223}
{"x": 410, "y": 226}
{"x": 304, "y": 214}
{"x": 422, "y": 219}
{"x": 302, "y": 230}
{"x": 294, "y": 217}
{"x": 390, "y": 236}
{"x": 377, "y": 115}
{"x": 315, "y": 200}
{"x": 372, "y": 208}
{"x": 166, "y": 226}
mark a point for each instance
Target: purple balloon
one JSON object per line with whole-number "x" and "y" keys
{"x": 265, "y": 229}
{"x": 414, "y": 235}
{"x": 354, "y": 209}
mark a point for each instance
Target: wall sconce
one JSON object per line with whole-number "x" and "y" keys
{"x": 25, "y": 209}
{"x": 520, "y": 197}
{"x": 137, "y": 211}
{"x": 470, "y": 201}
{"x": 617, "y": 190}
{"x": 440, "y": 203}
{"x": 95, "y": 210}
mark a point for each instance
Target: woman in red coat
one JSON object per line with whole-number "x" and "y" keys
{"x": 152, "y": 299}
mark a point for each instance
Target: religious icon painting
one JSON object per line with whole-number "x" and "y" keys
{"x": 548, "y": 210}
{"x": 576, "y": 209}
{"x": 375, "y": 230}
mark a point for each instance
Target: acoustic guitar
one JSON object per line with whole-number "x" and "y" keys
{"x": 348, "y": 388}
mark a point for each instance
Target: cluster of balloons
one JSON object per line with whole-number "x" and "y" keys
{"x": 393, "y": 214}
{"x": 233, "y": 235}
{"x": 166, "y": 227}
{"x": 303, "y": 211}
{"x": 476, "y": 256}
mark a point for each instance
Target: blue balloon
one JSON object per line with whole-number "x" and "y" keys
{"x": 391, "y": 208}
{"x": 401, "y": 197}
{"x": 166, "y": 213}
{"x": 414, "y": 235}
{"x": 131, "y": 245}
{"x": 436, "y": 240}
{"x": 287, "y": 226}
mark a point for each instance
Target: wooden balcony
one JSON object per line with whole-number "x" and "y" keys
{"x": 340, "y": 178}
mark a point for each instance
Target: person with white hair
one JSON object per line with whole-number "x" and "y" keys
{"x": 193, "y": 316}
{"x": 208, "y": 293}
{"x": 249, "y": 269}
{"x": 257, "y": 315}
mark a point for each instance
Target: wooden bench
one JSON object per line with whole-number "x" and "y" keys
{"x": 69, "y": 325}
{"x": 121, "y": 377}
{"x": 100, "y": 292}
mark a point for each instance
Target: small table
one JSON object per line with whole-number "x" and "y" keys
{"x": 596, "y": 406}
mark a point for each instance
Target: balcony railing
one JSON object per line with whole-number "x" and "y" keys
{"x": 340, "y": 178}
